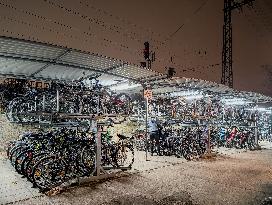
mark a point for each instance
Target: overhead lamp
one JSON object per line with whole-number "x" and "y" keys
{"x": 235, "y": 101}
{"x": 185, "y": 93}
{"x": 261, "y": 109}
{"x": 125, "y": 86}
{"x": 193, "y": 97}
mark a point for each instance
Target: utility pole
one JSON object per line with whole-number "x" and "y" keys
{"x": 229, "y": 6}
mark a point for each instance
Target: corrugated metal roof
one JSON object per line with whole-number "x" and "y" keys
{"x": 42, "y": 61}
{"x": 63, "y": 73}
{"x": 97, "y": 62}
{"x": 17, "y": 47}
{"x": 131, "y": 71}
{"x": 18, "y": 67}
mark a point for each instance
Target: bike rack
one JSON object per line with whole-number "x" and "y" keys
{"x": 100, "y": 172}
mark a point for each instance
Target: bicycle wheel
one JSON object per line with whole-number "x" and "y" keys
{"x": 178, "y": 150}
{"x": 201, "y": 148}
{"x": 29, "y": 156}
{"x": 16, "y": 152}
{"x": 87, "y": 160}
{"x": 30, "y": 163}
{"x": 10, "y": 146}
{"x": 23, "y": 110}
{"x": 10, "y": 111}
{"x": 122, "y": 104}
{"x": 187, "y": 151}
{"x": 125, "y": 156}
{"x": 14, "y": 108}
{"x": 20, "y": 159}
{"x": 49, "y": 172}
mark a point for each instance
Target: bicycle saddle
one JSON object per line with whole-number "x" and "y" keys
{"x": 123, "y": 137}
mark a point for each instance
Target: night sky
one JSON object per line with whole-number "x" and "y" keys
{"x": 188, "y": 30}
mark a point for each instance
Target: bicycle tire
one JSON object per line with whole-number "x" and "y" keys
{"x": 31, "y": 162}
{"x": 125, "y": 156}
{"x": 88, "y": 165}
{"x": 41, "y": 169}
{"x": 19, "y": 160}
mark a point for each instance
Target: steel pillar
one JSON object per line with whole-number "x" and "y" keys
{"x": 227, "y": 73}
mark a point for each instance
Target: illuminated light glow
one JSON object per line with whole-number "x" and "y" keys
{"x": 235, "y": 101}
{"x": 125, "y": 86}
{"x": 192, "y": 97}
{"x": 186, "y": 94}
{"x": 261, "y": 109}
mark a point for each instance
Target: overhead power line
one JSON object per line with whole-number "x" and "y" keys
{"x": 187, "y": 20}
{"x": 117, "y": 29}
{"x": 62, "y": 26}
{"x": 123, "y": 20}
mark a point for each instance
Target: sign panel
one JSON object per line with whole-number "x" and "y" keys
{"x": 148, "y": 94}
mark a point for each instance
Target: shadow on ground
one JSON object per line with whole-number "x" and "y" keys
{"x": 178, "y": 198}
{"x": 267, "y": 193}
{"x": 264, "y": 196}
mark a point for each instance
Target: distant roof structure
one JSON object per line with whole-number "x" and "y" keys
{"x": 182, "y": 84}
{"x": 169, "y": 86}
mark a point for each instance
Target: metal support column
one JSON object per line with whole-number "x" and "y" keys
{"x": 209, "y": 140}
{"x": 146, "y": 129}
{"x": 35, "y": 104}
{"x": 227, "y": 73}
{"x": 223, "y": 115}
{"x": 97, "y": 107}
{"x": 99, "y": 168}
{"x": 58, "y": 100}
{"x": 43, "y": 103}
{"x": 138, "y": 117}
{"x": 256, "y": 134}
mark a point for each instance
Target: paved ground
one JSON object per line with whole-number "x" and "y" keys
{"x": 12, "y": 186}
{"x": 234, "y": 177}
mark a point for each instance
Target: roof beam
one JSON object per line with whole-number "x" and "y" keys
{"x": 52, "y": 62}
{"x": 11, "y": 75}
{"x": 115, "y": 67}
